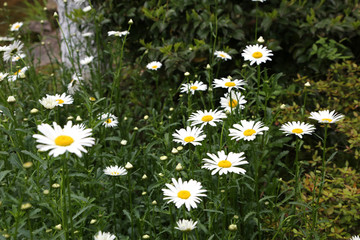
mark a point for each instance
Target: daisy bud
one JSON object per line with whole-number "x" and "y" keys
{"x": 143, "y": 193}
{"x": 171, "y": 109}
{"x": 28, "y": 165}
{"x": 222, "y": 191}
{"x": 190, "y": 49}
{"x": 25, "y": 206}
{"x": 163, "y": 158}
{"x": 55, "y": 14}
{"x": 11, "y": 99}
{"x": 5, "y": 4}
{"x": 93, "y": 221}
{"x": 174, "y": 151}
{"x": 229, "y": 77}
{"x": 128, "y": 165}
{"x": 65, "y": 1}
{"x": 123, "y": 142}
{"x": 178, "y": 167}
{"x": 55, "y": 185}
{"x": 136, "y": 128}
{"x": 25, "y": 119}
{"x": 86, "y": 9}
{"x": 307, "y": 84}
{"x": 154, "y": 202}
{"x": 244, "y": 65}
{"x": 58, "y": 227}
{"x": 144, "y": 177}
{"x": 146, "y": 236}
{"x": 236, "y": 217}
{"x": 170, "y": 117}
{"x": 45, "y": 8}
{"x": 46, "y": 192}
{"x": 186, "y": 74}
{"x": 6, "y": 235}
{"x": 179, "y": 148}
{"x": 146, "y": 117}
{"x": 130, "y": 21}
{"x": 208, "y": 66}
{"x": 48, "y": 230}
{"x": 232, "y": 227}
{"x": 70, "y": 118}
{"x": 33, "y": 111}
{"x": 78, "y": 118}
{"x": 161, "y": 174}
{"x": 92, "y": 99}
{"x": 283, "y": 106}
{"x": 125, "y": 118}
{"x": 261, "y": 39}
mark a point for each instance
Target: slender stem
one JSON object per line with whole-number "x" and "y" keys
{"x": 113, "y": 204}
{"x": 297, "y": 169}
{"x": 63, "y": 198}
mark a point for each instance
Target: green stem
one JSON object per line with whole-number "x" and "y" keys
{"x": 63, "y": 198}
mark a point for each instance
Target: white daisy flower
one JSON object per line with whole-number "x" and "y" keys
{"x": 228, "y": 83}
{"x": 192, "y": 87}
{"x": 86, "y": 60}
{"x": 87, "y": 34}
{"x": 75, "y": 83}
{"x": 115, "y": 171}
{"x": 49, "y": 102}
{"x": 256, "y": 53}
{"x": 181, "y": 193}
{"x": 224, "y": 164}
{"x": 87, "y": 9}
{"x": 109, "y": 119}
{"x": 60, "y": 140}
{"x": 63, "y": 99}
{"x": 297, "y": 128}
{"x": 6, "y": 39}
{"x": 247, "y": 130}
{"x": 236, "y": 102}
{"x": 18, "y": 57}
{"x": 18, "y": 74}
{"x": 154, "y": 65}
{"x": 118, "y": 33}
{"x": 3, "y": 76}
{"x": 206, "y": 117}
{"x": 326, "y": 116}
{"x": 104, "y": 236}
{"x": 189, "y": 135}
{"x": 14, "y": 49}
{"x": 185, "y": 225}
{"x": 16, "y": 26}
{"x": 355, "y": 238}
{"x": 222, "y": 55}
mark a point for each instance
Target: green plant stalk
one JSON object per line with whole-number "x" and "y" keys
{"x": 63, "y": 198}
{"x": 113, "y": 203}
{"x": 29, "y": 225}
{"x": 256, "y": 20}
{"x": 221, "y": 135}
{"x": 130, "y": 205}
{"x": 297, "y": 169}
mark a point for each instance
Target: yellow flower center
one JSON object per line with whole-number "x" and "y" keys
{"x": 233, "y": 104}
{"x": 249, "y": 132}
{"x": 222, "y": 55}
{"x": 194, "y": 87}
{"x": 326, "y": 120}
{"x": 257, "y": 54}
{"x": 114, "y": 173}
{"x": 224, "y": 164}
{"x": 154, "y": 67}
{"x": 297, "y": 130}
{"x": 184, "y": 194}
{"x": 189, "y": 139}
{"x": 60, "y": 101}
{"x": 64, "y": 140}
{"x": 17, "y": 72}
{"x": 17, "y": 26}
{"x": 108, "y": 120}
{"x": 230, "y": 84}
{"x": 207, "y": 118}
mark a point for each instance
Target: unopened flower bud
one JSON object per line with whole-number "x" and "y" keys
{"x": 163, "y": 158}
{"x": 128, "y": 165}
{"x": 92, "y": 221}
{"x": 58, "y": 227}
{"x": 283, "y": 106}
{"x": 144, "y": 177}
{"x": 46, "y": 192}
{"x": 146, "y": 236}
{"x": 11, "y": 99}
{"x": 78, "y": 118}
{"x": 55, "y": 14}
{"x": 174, "y": 151}
{"x": 232, "y": 227}
{"x": 28, "y": 165}
{"x": 261, "y": 39}
{"x": 146, "y": 117}
{"x": 178, "y": 167}
{"x": 186, "y": 74}
{"x": 123, "y": 142}
{"x": 154, "y": 202}
{"x": 208, "y": 66}
{"x": 179, "y": 148}
{"x": 130, "y": 21}
{"x": 33, "y": 111}
{"x": 307, "y": 84}
{"x": 25, "y": 206}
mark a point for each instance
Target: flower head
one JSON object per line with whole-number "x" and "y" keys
{"x": 75, "y": 83}
{"x": 16, "y": 26}
{"x": 118, "y": 33}
{"x": 225, "y": 163}
{"x": 355, "y": 237}
{"x": 115, "y": 171}
{"x": 109, "y": 120}
{"x": 222, "y": 55}
{"x": 154, "y": 65}
{"x": 18, "y": 74}
{"x": 104, "y": 236}
{"x": 236, "y": 102}
{"x": 189, "y": 135}
{"x": 71, "y": 138}
{"x": 18, "y": 57}
{"x": 297, "y": 128}
{"x": 12, "y": 50}
{"x": 86, "y": 60}
{"x": 63, "y": 99}
{"x": 326, "y": 116}
{"x": 206, "y": 117}
{"x": 185, "y": 225}
{"x": 3, "y": 76}
{"x": 247, "y": 130}
{"x": 228, "y": 83}
{"x": 49, "y": 102}
{"x": 181, "y": 193}
{"x": 193, "y": 87}
{"x": 256, "y": 53}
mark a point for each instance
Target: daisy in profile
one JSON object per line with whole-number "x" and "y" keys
{"x": 75, "y": 83}
{"x": 181, "y": 193}
{"x": 185, "y": 225}
{"x": 326, "y": 116}
{"x": 48, "y": 102}
{"x": 16, "y": 26}
{"x": 236, "y": 102}
{"x": 222, "y": 55}
{"x": 3, "y": 76}
{"x": 118, "y": 33}
{"x": 207, "y": 117}
{"x": 12, "y": 50}
{"x": 86, "y": 60}
{"x": 18, "y": 57}
{"x": 297, "y": 128}
{"x": 71, "y": 138}
{"x": 189, "y": 135}
{"x": 63, "y": 99}
{"x": 228, "y": 83}
{"x": 247, "y": 130}
{"x": 154, "y": 65}
{"x": 115, "y": 171}
{"x": 256, "y": 53}
{"x": 109, "y": 120}
{"x": 18, "y": 74}
{"x": 104, "y": 236}
{"x": 224, "y": 164}
{"x": 193, "y": 87}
